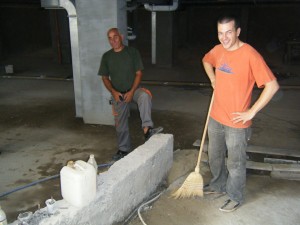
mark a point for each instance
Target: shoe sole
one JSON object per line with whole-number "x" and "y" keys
{"x": 118, "y": 156}
{"x": 116, "y": 159}
{"x": 158, "y": 130}
{"x": 235, "y": 207}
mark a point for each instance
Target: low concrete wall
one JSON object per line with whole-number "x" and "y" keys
{"x": 126, "y": 184}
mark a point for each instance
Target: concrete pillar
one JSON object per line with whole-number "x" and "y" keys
{"x": 95, "y": 17}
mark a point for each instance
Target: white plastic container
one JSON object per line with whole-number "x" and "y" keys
{"x": 93, "y": 162}
{"x": 3, "y": 220}
{"x": 9, "y": 69}
{"x": 51, "y": 206}
{"x": 78, "y": 183}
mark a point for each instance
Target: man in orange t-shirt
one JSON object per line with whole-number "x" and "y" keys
{"x": 233, "y": 68}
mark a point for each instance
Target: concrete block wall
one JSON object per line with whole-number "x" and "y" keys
{"x": 126, "y": 184}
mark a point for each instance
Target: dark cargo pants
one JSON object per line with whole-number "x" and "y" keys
{"x": 121, "y": 111}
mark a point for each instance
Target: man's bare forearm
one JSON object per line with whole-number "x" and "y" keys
{"x": 264, "y": 98}
{"x": 210, "y": 73}
{"x": 266, "y": 95}
{"x": 107, "y": 84}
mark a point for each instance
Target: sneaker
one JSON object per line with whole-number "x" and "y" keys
{"x": 208, "y": 190}
{"x": 151, "y": 131}
{"x": 230, "y": 206}
{"x": 119, "y": 155}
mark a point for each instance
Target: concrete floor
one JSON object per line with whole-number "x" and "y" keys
{"x": 269, "y": 201}
{"x": 39, "y": 134}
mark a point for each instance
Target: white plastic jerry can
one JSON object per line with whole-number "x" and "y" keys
{"x": 3, "y": 220}
{"x": 78, "y": 183}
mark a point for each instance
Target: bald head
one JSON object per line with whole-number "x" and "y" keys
{"x": 114, "y": 29}
{"x": 115, "y": 39}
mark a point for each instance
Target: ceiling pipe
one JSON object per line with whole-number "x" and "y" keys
{"x": 154, "y": 9}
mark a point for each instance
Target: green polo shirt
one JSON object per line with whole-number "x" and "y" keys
{"x": 121, "y": 67}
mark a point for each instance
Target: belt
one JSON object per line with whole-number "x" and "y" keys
{"x": 124, "y": 92}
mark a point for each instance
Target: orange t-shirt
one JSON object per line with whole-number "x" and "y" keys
{"x": 236, "y": 72}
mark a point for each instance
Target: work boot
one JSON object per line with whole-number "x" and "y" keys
{"x": 151, "y": 131}
{"x": 119, "y": 155}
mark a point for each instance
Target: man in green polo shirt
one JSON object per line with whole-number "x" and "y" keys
{"x": 121, "y": 71}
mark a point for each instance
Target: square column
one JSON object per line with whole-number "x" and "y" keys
{"x": 95, "y": 17}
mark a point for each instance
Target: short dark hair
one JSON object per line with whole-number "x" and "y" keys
{"x": 228, "y": 18}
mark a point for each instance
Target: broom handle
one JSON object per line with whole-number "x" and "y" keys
{"x": 197, "y": 169}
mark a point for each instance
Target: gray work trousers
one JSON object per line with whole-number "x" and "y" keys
{"x": 121, "y": 111}
{"x": 230, "y": 178}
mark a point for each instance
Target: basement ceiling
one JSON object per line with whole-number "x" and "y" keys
{"x": 168, "y": 2}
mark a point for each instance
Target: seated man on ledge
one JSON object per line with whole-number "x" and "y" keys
{"x": 121, "y": 70}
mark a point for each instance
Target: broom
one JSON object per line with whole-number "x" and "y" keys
{"x": 193, "y": 185}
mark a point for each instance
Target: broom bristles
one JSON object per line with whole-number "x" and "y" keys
{"x": 191, "y": 187}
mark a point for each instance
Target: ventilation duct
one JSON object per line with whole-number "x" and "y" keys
{"x": 50, "y": 4}
{"x": 54, "y": 4}
{"x": 154, "y": 8}
{"x": 69, "y": 6}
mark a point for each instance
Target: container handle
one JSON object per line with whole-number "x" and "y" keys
{"x": 78, "y": 166}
